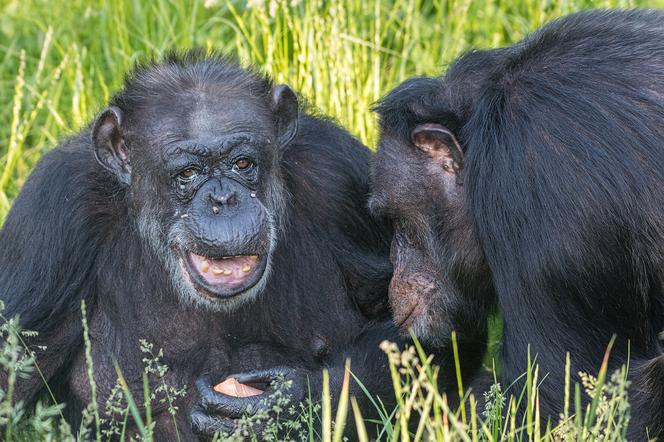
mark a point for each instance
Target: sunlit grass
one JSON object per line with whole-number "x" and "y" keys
{"x": 423, "y": 412}
{"x": 61, "y": 61}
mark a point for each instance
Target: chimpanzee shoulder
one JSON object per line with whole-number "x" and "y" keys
{"x": 538, "y": 104}
{"x": 58, "y": 202}
{"x": 326, "y": 173}
{"x": 325, "y": 158}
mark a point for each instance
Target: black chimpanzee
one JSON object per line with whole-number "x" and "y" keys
{"x": 203, "y": 213}
{"x": 533, "y": 175}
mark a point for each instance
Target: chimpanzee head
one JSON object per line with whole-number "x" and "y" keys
{"x": 418, "y": 183}
{"x": 195, "y": 143}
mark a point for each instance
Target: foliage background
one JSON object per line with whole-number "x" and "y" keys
{"x": 61, "y": 60}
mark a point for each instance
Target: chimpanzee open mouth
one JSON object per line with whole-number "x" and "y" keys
{"x": 224, "y": 276}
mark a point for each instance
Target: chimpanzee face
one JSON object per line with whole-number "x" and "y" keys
{"x": 417, "y": 184}
{"x": 204, "y": 182}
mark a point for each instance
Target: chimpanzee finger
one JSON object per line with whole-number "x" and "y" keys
{"x": 205, "y": 426}
{"x": 203, "y": 382}
{"x": 222, "y": 404}
{"x": 261, "y": 376}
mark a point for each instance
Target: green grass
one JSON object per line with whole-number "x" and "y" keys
{"x": 61, "y": 61}
{"x": 422, "y": 411}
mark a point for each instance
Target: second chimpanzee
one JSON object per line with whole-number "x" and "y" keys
{"x": 534, "y": 175}
{"x": 203, "y": 213}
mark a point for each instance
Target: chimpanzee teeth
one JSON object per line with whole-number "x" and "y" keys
{"x": 218, "y": 271}
{"x": 205, "y": 266}
{"x": 254, "y": 258}
{"x": 246, "y": 268}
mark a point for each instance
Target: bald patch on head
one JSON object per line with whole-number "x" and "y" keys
{"x": 220, "y": 114}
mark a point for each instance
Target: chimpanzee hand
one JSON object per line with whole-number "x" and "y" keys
{"x": 217, "y": 412}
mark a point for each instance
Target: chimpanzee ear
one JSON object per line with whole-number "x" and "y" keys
{"x": 284, "y": 107}
{"x": 110, "y": 149}
{"x": 440, "y": 144}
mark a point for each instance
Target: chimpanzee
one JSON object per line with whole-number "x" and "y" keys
{"x": 204, "y": 213}
{"x": 532, "y": 176}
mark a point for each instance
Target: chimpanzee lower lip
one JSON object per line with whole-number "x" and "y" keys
{"x": 225, "y": 276}
{"x": 404, "y": 322}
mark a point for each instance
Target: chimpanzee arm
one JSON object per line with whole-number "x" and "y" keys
{"x": 369, "y": 365}
{"x": 52, "y": 350}
{"x": 219, "y": 412}
{"x": 46, "y": 253}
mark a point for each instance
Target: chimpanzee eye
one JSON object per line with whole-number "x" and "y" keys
{"x": 188, "y": 174}
{"x": 243, "y": 164}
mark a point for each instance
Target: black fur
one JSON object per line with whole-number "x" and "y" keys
{"x": 563, "y": 187}
{"x": 72, "y": 234}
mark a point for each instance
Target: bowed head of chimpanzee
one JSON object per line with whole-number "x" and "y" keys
{"x": 207, "y": 212}
{"x": 532, "y": 178}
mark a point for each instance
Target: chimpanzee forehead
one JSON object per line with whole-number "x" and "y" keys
{"x": 215, "y": 117}
{"x": 207, "y": 116}
{"x": 397, "y": 175}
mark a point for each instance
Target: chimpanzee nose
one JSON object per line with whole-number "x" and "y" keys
{"x": 222, "y": 199}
